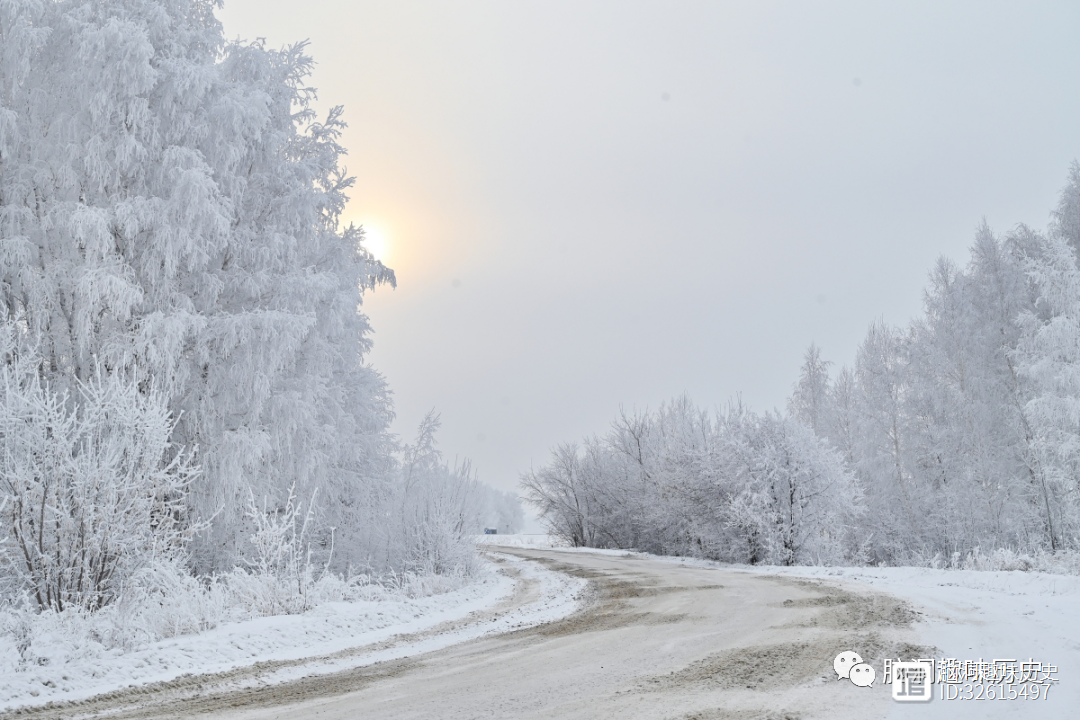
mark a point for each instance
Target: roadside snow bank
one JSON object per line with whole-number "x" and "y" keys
{"x": 548, "y": 596}
{"x": 70, "y": 666}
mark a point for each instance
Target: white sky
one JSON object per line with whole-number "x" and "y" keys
{"x": 595, "y": 203}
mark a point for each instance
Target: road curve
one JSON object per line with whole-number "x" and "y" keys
{"x": 656, "y": 639}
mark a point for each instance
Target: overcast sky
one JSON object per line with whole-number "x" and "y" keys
{"x": 590, "y": 204}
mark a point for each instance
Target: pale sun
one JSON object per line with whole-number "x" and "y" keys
{"x": 376, "y": 243}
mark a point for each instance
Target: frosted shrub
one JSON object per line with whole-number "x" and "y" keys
{"x": 436, "y": 527}
{"x": 282, "y": 542}
{"x": 733, "y": 486}
{"x": 281, "y": 577}
{"x": 91, "y": 489}
{"x": 158, "y": 601}
{"x": 1063, "y": 562}
{"x": 436, "y": 511}
{"x": 164, "y": 600}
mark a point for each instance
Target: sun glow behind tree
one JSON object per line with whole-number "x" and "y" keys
{"x": 377, "y": 242}
{"x": 172, "y": 244}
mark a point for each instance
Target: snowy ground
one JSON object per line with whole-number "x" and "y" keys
{"x": 537, "y": 541}
{"x": 382, "y": 630}
{"x": 973, "y": 615}
{"x": 968, "y": 615}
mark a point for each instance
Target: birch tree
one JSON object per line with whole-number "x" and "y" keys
{"x": 170, "y": 211}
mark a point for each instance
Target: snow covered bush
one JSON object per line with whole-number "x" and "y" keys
{"x": 281, "y": 542}
{"x": 281, "y": 575}
{"x": 437, "y": 510}
{"x": 735, "y": 486}
{"x": 92, "y": 491}
{"x": 165, "y": 604}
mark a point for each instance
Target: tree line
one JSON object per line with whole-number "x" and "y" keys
{"x": 182, "y": 346}
{"x": 956, "y": 434}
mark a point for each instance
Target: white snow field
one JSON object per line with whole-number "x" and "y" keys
{"x": 333, "y": 636}
{"x": 983, "y": 615}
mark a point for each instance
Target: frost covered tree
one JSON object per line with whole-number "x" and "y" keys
{"x": 969, "y": 440}
{"x": 961, "y": 428}
{"x": 803, "y": 500}
{"x": 561, "y": 496}
{"x": 435, "y": 510}
{"x": 931, "y": 419}
{"x": 954, "y": 435}
{"x": 1049, "y": 354}
{"x": 170, "y": 213}
{"x": 809, "y": 403}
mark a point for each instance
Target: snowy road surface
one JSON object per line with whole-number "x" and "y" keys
{"x": 656, "y": 639}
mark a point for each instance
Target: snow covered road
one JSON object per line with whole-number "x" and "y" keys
{"x": 658, "y": 638}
